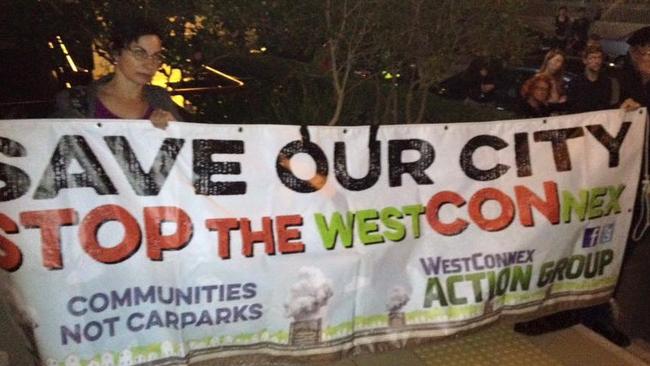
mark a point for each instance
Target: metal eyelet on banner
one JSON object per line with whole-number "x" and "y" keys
{"x": 446, "y": 127}
{"x": 345, "y": 130}
{"x": 99, "y": 124}
{"x": 544, "y": 121}
{"x": 240, "y": 129}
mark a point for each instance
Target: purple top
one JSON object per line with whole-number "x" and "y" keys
{"x": 102, "y": 112}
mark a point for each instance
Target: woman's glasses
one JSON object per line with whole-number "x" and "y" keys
{"x": 141, "y": 55}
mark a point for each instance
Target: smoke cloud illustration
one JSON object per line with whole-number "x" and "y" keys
{"x": 309, "y": 295}
{"x": 397, "y": 299}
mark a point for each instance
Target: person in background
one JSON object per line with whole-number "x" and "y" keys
{"x": 479, "y": 82}
{"x": 634, "y": 78}
{"x": 593, "y": 40}
{"x": 535, "y": 93}
{"x": 580, "y": 31}
{"x": 136, "y": 49}
{"x": 634, "y": 82}
{"x": 553, "y": 67}
{"x": 591, "y": 90}
{"x": 562, "y": 27}
{"x": 634, "y": 284}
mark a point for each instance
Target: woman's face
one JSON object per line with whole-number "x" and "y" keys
{"x": 141, "y": 59}
{"x": 541, "y": 91}
{"x": 554, "y": 65}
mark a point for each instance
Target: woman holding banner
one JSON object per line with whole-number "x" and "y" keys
{"x": 136, "y": 49}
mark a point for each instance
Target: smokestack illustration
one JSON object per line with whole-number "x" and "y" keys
{"x": 306, "y": 305}
{"x": 396, "y": 301}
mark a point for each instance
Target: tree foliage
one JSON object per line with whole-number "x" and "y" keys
{"x": 322, "y": 61}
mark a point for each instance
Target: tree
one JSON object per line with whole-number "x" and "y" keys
{"x": 326, "y": 61}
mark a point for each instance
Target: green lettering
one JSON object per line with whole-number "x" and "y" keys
{"x": 476, "y": 284}
{"x": 415, "y": 211}
{"x": 596, "y": 202}
{"x": 399, "y": 231}
{"x": 434, "y": 292}
{"x": 614, "y": 194}
{"x": 569, "y": 203}
{"x": 559, "y": 268}
{"x": 521, "y": 278}
{"x": 366, "y": 229}
{"x": 606, "y": 257}
{"x": 572, "y": 273}
{"x": 545, "y": 274}
{"x": 451, "y": 290}
{"x": 329, "y": 233}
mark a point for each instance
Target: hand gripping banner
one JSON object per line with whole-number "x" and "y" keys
{"x": 121, "y": 244}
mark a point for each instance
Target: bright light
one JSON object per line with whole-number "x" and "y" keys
{"x": 72, "y": 65}
{"x": 161, "y": 79}
{"x": 229, "y": 77}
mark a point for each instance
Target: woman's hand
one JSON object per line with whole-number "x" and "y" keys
{"x": 161, "y": 118}
{"x": 630, "y": 104}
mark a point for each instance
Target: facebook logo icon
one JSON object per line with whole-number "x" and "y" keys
{"x": 590, "y": 238}
{"x": 607, "y": 233}
{"x": 599, "y": 234}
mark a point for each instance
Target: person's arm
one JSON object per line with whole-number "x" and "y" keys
{"x": 165, "y": 110}
{"x": 630, "y": 105}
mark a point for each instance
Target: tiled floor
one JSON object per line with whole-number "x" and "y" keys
{"x": 500, "y": 346}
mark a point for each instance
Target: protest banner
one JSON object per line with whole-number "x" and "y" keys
{"x": 122, "y": 244}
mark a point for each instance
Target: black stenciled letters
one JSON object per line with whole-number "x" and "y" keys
{"x": 204, "y": 167}
{"x": 522, "y": 155}
{"x": 283, "y": 168}
{"x": 56, "y": 176}
{"x": 16, "y": 181}
{"x": 341, "y": 170}
{"x": 145, "y": 184}
{"x": 558, "y": 142}
{"x": 613, "y": 145}
{"x": 467, "y": 163}
{"x": 416, "y": 169}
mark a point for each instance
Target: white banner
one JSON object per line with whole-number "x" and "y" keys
{"x": 122, "y": 244}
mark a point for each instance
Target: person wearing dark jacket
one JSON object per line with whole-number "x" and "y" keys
{"x": 634, "y": 79}
{"x": 136, "y": 48}
{"x": 479, "y": 81}
{"x": 591, "y": 90}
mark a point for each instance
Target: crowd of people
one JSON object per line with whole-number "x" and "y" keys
{"x": 629, "y": 89}
{"x": 550, "y": 92}
{"x": 572, "y": 35}
{"x": 137, "y": 54}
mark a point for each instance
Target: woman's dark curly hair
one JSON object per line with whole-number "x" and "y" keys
{"x": 127, "y": 31}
